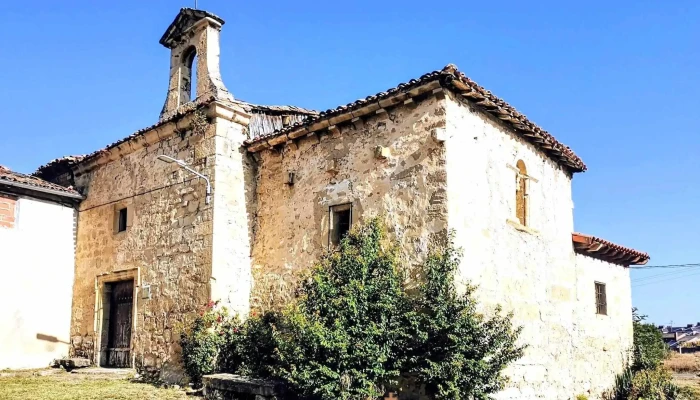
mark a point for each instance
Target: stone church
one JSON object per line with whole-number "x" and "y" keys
{"x": 227, "y": 200}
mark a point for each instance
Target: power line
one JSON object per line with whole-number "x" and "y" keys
{"x": 690, "y": 265}
{"x": 665, "y": 279}
{"x": 672, "y": 272}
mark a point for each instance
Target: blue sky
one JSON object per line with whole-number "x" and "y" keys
{"x": 616, "y": 81}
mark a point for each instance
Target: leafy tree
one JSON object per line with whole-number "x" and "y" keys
{"x": 341, "y": 336}
{"x": 201, "y": 340}
{"x": 647, "y": 378}
{"x": 355, "y": 331}
{"x": 457, "y": 352}
{"x": 649, "y": 347}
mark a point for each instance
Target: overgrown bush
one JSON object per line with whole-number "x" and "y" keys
{"x": 355, "y": 331}
{"x": 251, "y": 348}
{"x": 647, "y": 378}
{"x": 202, "y": 340}
{"x": 342, "y": 337}
{"x": 648, "y": 384}
{"x": 649, "y": 347}
{"x": 453, "y": 349}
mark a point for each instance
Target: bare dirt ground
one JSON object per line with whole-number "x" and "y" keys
{"x": 88, "y": 384}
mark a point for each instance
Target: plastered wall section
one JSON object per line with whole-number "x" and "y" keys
{"x": 407, "y": 189}
{"x": 234, "y": 212}
{"x": 603, "y": 342}
{"x": 532, "y": 270}
{"x": 35, "y": 291}
{"x": 167, "y": 245}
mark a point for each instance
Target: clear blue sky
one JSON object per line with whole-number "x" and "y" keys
{"x": 616, "y": 81}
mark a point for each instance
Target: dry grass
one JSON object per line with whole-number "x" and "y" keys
{"x": 66, "y": 386}
{"x": 686, "y": 368}
{"x": 683, "y": 363}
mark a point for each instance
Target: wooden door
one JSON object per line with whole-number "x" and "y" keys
{"x": 119, "y": 343}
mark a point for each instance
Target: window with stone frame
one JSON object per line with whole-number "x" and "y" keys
{"x": 340, "y": 223}
{"x": 601, "y": 301}
{"x": 121, "y": 220}
{"x": 521, "y": 194}
{"x": 123, "y": 216}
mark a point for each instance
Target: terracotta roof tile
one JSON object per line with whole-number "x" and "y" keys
{"x": 9, "y": 177}
{"x": 607, "y": 251}
{"x": 451, "y": 78}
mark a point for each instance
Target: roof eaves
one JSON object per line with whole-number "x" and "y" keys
{"x": 451, "y": 78}
{"x": 181, "y": 112}
{"x": 71, "y": 194}
{"x": 607, "y": 251}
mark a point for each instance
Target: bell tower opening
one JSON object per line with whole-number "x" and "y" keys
{"x": 193, "y": 40}
{"x": 188, "y": 76}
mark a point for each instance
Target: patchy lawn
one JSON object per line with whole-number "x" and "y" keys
{"x": 61, "y": 385}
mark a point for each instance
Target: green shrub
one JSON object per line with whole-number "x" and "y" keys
{"x": 581, "y": 397}
{"x": 647, "y": 378}
{"x": 454, "y": 350}
{"x": 251, "y": 349}
{"x": 355, "y": 331}
{"x": 648, "y": 384}
{"x": 649, "y": 347}
{"x": 202, "y": 339}
{"x": 340, "y": 339}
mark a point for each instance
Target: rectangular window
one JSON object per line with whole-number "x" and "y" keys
{"x": 340, "y": 222}
{"x": 601, "y": 302}
{"x": 121, "y": 220}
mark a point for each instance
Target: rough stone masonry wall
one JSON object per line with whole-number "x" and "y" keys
{"x": 407, "y": 188}
{"x": 532, "y": 270}
{"x": 168, "y": 241}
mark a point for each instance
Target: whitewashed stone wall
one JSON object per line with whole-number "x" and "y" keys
{"x": 36, "y": 258}
{"x": 532, "y": 270}
{"x": 601, "y": 342}
{"x": 234, "y": 213}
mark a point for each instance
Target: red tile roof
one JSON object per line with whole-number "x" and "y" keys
{"x": 451, "y": 78}
{"x": 11, "y": 178}
{"x": 607, "y": 251}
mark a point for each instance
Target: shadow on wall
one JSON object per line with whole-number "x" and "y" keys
{"x": 48, "y": 338}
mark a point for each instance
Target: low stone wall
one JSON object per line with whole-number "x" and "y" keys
{"x": 236, "y": 387}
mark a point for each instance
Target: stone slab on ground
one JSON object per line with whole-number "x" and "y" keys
{"x": 107, "y": 372}
{"x": 235, "y": 387}
{"x": 72, "y": 363}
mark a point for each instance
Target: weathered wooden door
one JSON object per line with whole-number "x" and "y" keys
{"x": 119, "y": 342}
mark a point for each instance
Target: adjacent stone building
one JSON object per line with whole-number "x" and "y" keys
{"x": 225, "y": 200}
